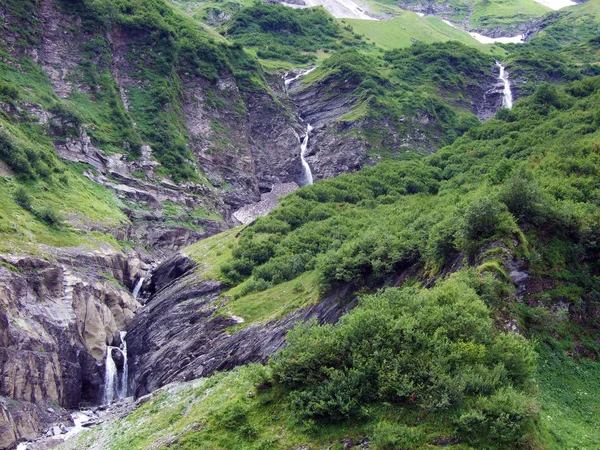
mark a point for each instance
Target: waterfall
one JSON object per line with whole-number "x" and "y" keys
{"x": 288, "y": 81}
{"x": 125, "y": 372}
{"x": 110, "y": 377}
{"x": 138, "y": 286}
{"x": 308, "y": 178}
{"x": 115, "y": 386}
{"x": 507, "y": 100}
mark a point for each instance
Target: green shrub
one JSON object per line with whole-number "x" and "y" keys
{"x": 254, "y": 285}
{"x": 391, "y": 436}
{"x": 22, "y": 198}
{"x": 8, "y": 92}
{"x": 432, "y": 348}
{"x": 49, "y": 216}
{"x": 502, "y": 420}
{"x": 523, "y": 197}
{"x": 482, "y": 217}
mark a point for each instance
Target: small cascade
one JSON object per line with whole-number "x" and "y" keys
{"x": 507, "y": 99}
{"x": 110, "y": 377}
{"x": 288, "y": 81}
{"x": 115, "y": 379}
{"x": 308, "y": 177}
{"x": 125, "y": 370}
{"x": 138, "y": 286}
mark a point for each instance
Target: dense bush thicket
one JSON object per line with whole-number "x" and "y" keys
{"x": 451, "y": 65}
{"x": 432, "y": 349}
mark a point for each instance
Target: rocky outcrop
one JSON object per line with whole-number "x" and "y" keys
{"x": 338, "y": 145}
{"x": 268, "y": 202}
{"x": 179, "y": 336}
{"x": 57, "y": 317}
{"x": 21, "y": 420}
{"x": 330, "y": 151}
{"x": 489, "y": 101}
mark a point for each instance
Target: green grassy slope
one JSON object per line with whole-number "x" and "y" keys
{"x": 403, "y": 30}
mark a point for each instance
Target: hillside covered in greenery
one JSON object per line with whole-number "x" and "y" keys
{"x": 464, "y": 254}
{"x": 416, "y": 366}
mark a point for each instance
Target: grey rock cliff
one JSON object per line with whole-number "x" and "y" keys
{"x": 177, "y": 336}
{"x": 56, "y": 318}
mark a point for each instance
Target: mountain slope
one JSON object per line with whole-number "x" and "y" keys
{"x": 505, "y": 218}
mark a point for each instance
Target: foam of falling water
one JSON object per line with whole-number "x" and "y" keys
{"x": 110, "y": 377}
{"x": 138, "y": 286}
{"x": 79, "y": 418}
{"x": 289, "y": 81}
{"x": 308, "y": 178}
{"x": 507, "y": 100}
{"x": 125, "y": 372}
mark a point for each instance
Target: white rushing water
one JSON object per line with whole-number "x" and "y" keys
{"x": 289, "y": 81}
{"x": 138, "y": 286}
{"x": 507, "y": 99}
{"x": 125, "y": 372}
{"x": 115, "y": 386}
{"x": 60, "y": 433}
{"x": 308, "y": 177}
{"x": 110, "y": 377}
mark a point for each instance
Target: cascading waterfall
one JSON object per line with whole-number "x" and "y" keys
{"x": 308, "y": 177}
{"x": 110, "y": 377}
{"x": 125, "y": 371}
{"x": 115, "y": 386}
{"x": 307, "y": 173}
{"x": 507, "y": 99}
{"x": 138, "y": 286}
{"x": 288, "y": 81}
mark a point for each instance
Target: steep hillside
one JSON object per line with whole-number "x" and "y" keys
{"x": 493, "y": 238}
{"x": 134, "y": 137}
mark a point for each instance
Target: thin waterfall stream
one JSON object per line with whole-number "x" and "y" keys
{"x": 110, "y": 377}
{"x": 308, "y": 177}
{"x": 125, "y": 370}
{"x": 507, "y": 98}
{"x": 115, "y": 379}
{"x": 138, "y": 286}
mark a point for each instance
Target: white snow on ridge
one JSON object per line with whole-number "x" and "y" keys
{"x": 556, "y": 4}
{"x": 342, "y": 9}
{"x": 518, "y": 39}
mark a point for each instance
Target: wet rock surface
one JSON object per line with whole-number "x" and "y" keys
{"x": 70, "y": 424}
{"x": 57, "y": 317}
{"x": 177, "y": 336}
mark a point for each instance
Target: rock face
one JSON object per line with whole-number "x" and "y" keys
{"x": 340, "y": 146}
{"x": 56, "y": 318}
{"x": 244, "y": 141}
{"x": 177, "y": 336}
